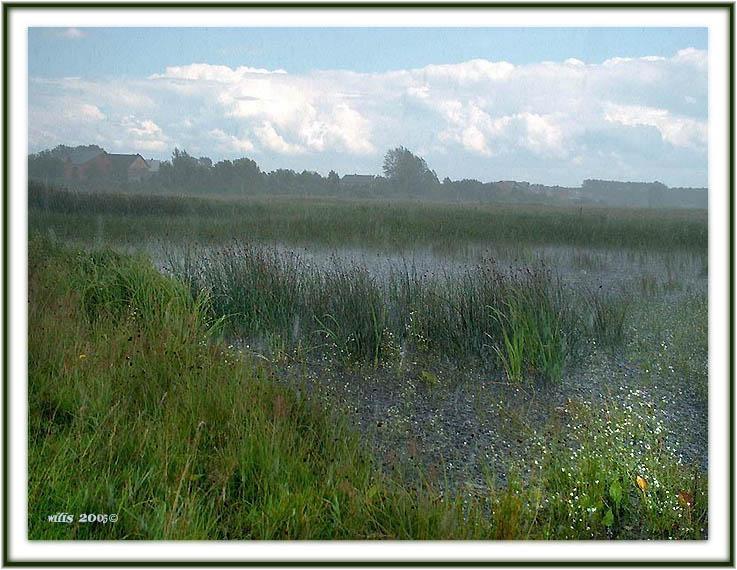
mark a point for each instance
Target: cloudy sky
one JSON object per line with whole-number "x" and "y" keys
{"x": 553, "y": 106}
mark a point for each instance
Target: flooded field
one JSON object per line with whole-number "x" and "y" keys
{"x": 462, "y": 418}
{"x": 576, "y": 265}
{"x": 566, "y": 373}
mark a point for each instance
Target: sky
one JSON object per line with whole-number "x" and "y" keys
{"x": 551, "y": 106}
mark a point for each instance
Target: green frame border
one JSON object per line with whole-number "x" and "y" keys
{"x": 317, "y": 5}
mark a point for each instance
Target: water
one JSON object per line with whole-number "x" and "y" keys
{"x": 576, "y": 266}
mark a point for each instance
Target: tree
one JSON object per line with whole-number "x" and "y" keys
{"x": 45, "y": 165}
{"x": 333, "y": 181}
{"x": 407, "y": 172}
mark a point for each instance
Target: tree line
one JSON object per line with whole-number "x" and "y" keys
{"x": 404, "y": 175}
{"x": 403, "y": 172}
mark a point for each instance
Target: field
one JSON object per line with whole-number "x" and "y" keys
{"x": 336, "y": 369}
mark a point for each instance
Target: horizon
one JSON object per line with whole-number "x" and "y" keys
{"x": 548, "y": 106}
{"x": 380, "y": 175}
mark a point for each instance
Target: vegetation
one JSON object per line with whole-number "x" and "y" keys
{"x": 185, "y": 438}
{"x": 523, "y": 316}
{"x": 671, "y": 343}
{"x": 406, "y": 175}
{"x": 409, "y": 173}
{"x": 125, "y": 218}
{"x": 609, "y": 311}
{"x": 185, "y": 388}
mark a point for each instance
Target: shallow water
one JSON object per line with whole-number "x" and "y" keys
{"x": 464, "y": 423}
{"x": 576, "y": 266}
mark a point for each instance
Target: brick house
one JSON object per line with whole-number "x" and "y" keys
{"x": 83, "y": 164}
{"x": 130, "y": 167}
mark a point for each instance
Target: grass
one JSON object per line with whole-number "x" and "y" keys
{"x": 614, "y": 474}
{"x": 671, "y": 343}
{"x": 121, "y": 218}
{"x": 609, "y": 311}
{"x": 536, "y": 328}
{"x": 522, "y": 317}
{"x": 138, "y": 408}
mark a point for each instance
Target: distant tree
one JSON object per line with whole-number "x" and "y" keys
{"x": 408, "y": 172}
{"x": 248, "y": 176}
{"x": 282, "y": 181}
{"x": 185, "y": 170}
{"x": 45, "y": 165}
{"x": 62, "y": 151}
{"x": 333, "y": 181}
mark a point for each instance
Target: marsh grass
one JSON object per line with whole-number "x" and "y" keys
{"x": 137, "y": 408}
{"x": 396, "y": 225}
{"x": 609, "y": 310}
{"x": 535, "y": 327}
{"x": 520, "y": 317}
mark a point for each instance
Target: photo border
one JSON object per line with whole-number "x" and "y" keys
{"x": 443, "y": 5}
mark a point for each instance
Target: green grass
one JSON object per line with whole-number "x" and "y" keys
{"x": 608, "y": 314}
{"x": 137, "y": 408}
{"x": 671, "y": 343}
{"x": 613, "y": 475}
{"x": 121, "y": 218}
{"x": 536, "y": 328}
{"x": 520, "y": 320}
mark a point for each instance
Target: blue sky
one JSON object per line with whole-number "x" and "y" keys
{"x": 544, "y": 105}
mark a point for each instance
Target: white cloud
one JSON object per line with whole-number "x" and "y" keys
{"x": 274, "y": 141}
{"x": 470, "y": 71}
{"x": 474, "y": 140}
{"x": 145, "y": 128}
{"x": 143, "y": 134}
{"x": 350, "y": 130}
{"x": 478, "y": 132}
{"x": 676, "y": 130}
{"x": 207, "y": 72}
{"x": 84, "y": 112}
{"x": 230, "y": 144}
{"x": 692, "y": 56}
{"x": 542, "y": 134}
{"x": 468, "y": 114}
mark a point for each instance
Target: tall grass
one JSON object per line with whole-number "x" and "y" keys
{"x": 334, "y": 222}
{"x": 483, "y": 313}
{"x": 136, "y": 408}
{"x": 609, "y": 311}
{"x": 535, "y": 324}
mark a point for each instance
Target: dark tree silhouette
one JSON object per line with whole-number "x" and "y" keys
{"x": 408, "y": 172}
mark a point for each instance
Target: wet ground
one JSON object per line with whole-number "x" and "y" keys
{"x": 462, "y": 425}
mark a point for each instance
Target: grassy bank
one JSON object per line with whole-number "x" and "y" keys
{"x": 137, "y": 408}
{"x": 120, "y": 218}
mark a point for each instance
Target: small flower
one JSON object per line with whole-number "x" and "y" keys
{"x": 641, "y": 483}
{"x": 82, "y": 356}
